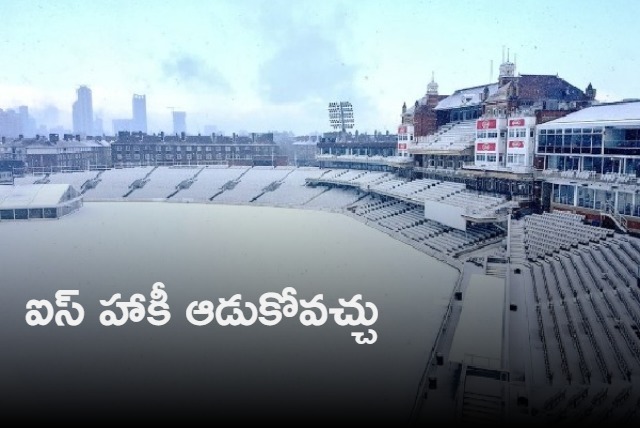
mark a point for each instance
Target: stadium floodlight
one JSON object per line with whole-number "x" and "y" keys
{"x": 341, "y": 115}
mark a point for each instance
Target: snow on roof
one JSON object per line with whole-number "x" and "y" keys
{"x": 466, "y": 97}
{"x": 32, "y": 195}
{"x": 626, "y": 114}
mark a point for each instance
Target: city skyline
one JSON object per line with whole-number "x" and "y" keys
{"x": 276, "y": 66}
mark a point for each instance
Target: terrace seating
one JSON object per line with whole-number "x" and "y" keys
{"x": 450, "y": 137}
{"x": 551, "y": 232}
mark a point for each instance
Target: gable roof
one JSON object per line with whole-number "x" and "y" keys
{"x": 545, "y": 86}
{"x": 466, "y": 97}
{"x": 35, "y": 195}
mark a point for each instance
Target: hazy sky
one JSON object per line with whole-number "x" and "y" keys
{"x": 275, "y": 65}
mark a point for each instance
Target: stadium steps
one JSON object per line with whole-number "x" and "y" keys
{"x": 151, "y": 172}
{"x": 517, "y": 244}
{"x": 496, "y": 269}
{"x": 185, "y": 184}
{"x": 91, "y": 183}
{"x": 272, "y": 186}
{"x": 43, "y": 180}
{"x": 316, "y": 196}
{"x": 481, "y": 408}
{"x": 229, "y": 185}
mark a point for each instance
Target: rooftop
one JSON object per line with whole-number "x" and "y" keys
{"x": 621, "y": 113}
{"x": 35, "y": 195}
{"x": 466, "y": 97}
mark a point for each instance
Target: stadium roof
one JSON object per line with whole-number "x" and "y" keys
{"x": 466, "y": 97}
{"x": 33, "y": 195}
{"x": 614, "y": 114}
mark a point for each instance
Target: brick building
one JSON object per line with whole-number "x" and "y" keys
{"x": 142, "y": 149}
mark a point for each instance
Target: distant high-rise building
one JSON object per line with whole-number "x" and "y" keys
{"x": 120, "y": 125}
{"x": 179, "y": 122}
{"x": 139, "y": 121}
{"x": 17, "y": 122}
{"x": 10, "y": 123}
{"x": 23, "y": 112}
{"x": 83, "y": 112}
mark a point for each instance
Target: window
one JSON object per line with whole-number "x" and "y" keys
{"x": 119, "y": 148}
{"x": 179, "y": 157}
{"x": 136, "y": 156}
{"x": 158, "y": 148}
{"x": 119, "y": 157}
{"x": 491, "y": 158}
{"x": 207, "y": 149}
{"x": 208, "y": 156}
{"x": 188, "y": 148}
{"x": 178, "y": 148}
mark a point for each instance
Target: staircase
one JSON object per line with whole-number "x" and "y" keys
{"x": 619, "y": 220}
{"x": 517, "y": 242}
{"x": 496, "y": 266}
{"x": 482, "y": 398}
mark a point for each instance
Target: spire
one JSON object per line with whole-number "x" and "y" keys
{"x": 590, "y": 92}
{"x": 432, "y": 87}
{"x": 507, "y": 68}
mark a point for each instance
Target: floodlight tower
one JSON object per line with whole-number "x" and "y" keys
{"x": 341, "y": 117}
